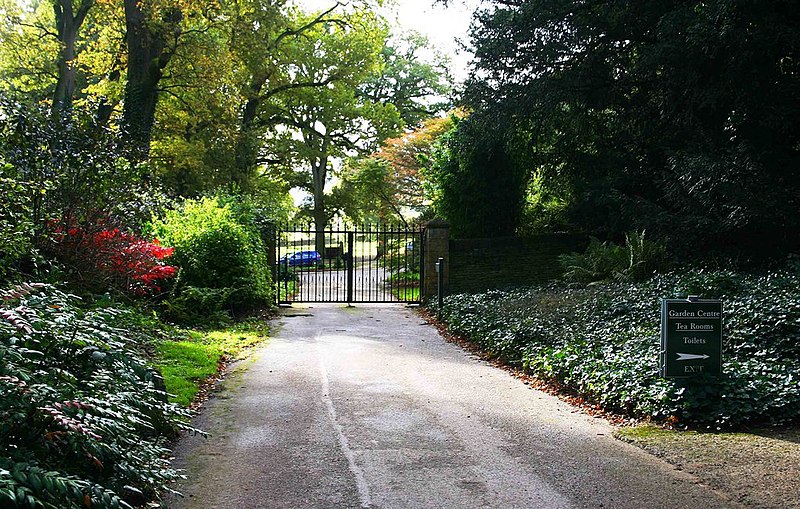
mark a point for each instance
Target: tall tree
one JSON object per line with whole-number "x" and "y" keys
{"x": 152, "y": 33}
{"x": 413, "y": 76}
{"x": 268, "y": 41}
{"x": 408, "y": 156}
{"x": 388, "y": 184}
{"x": 42, "y": 44}
{"x": 680, "y": 117}
{"x": 249, "y": 49}
{"x": 68, "y": 19}
{"x": 196, "y": 118}
{"x": 315, "y": 125}
{"x": 477, "y": 180}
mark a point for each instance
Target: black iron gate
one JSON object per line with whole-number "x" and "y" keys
{"x": 368, "y": 263}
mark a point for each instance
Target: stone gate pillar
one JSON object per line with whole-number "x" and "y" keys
{"x": 437, "y": 245}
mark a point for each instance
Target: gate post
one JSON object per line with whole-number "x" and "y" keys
{"x": 436, "y": 245}
{"x": 350, "y": 267}
{"x": 269, "y": 236}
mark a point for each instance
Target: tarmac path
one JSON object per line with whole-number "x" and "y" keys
{"x": 369, "y": 284}
{"x": 368, "y": 407}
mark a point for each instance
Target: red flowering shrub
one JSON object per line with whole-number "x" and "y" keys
{"x": 113, "y": 256}
{"x": 136, "y": 260}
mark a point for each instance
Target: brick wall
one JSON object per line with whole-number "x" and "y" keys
{"x": 480, "y": 264}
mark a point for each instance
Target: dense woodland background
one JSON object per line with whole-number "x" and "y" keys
{"x": 675, "y": 117}
{"x": 678, "y": 118}
{"x": 148, "y": 146}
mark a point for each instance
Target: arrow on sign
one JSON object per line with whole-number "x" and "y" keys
{"x": 690, "y": 356}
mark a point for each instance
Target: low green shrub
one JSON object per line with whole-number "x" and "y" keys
{"x": 83, "y": 419}
{"x": 602, "y": 343}
{"x": 198, "y": 305}
{"x": 405, "y": 277}
{"x": 286, "y": 273}
{"x": 16, "y": 223}
{"x": 636, "y": 260}
{"x": 222, "y": 260}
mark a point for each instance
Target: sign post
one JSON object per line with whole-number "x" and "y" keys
{"x": 691, "y": 337}
{"x": 440, "y": 286}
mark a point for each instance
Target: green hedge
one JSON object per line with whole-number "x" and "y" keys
{"x": 602, "y": 343}
{"x": 221, "y": 258}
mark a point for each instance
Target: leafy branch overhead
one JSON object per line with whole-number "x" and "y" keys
{"x": 389, "y": 184}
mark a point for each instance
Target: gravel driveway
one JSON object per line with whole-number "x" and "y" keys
{"x": 370, "y": 407}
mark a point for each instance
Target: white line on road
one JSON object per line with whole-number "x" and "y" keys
{"x": 361, "y": 483}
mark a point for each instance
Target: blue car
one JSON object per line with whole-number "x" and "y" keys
{"x": 301, "y": 259}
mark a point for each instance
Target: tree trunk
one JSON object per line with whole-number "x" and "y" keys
{"x": 105, "y": 108}
{"x": 68, "y": 23}
{"x": 247, "y": 146}
{"x": 245, "y": 157}
{"x": 65, "y": 85}
{"x": 148, "y": 55}
{"x": 320, "y": 173}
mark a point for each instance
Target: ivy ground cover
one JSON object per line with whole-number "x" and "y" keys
{"x": 602, "y": 343}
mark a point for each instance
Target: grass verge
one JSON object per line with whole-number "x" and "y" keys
{"x": 410, "y": 293}
{"x": 186, "y": 363}
{"x": 287, "y": 289}
{"x": 405, "y": 285}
